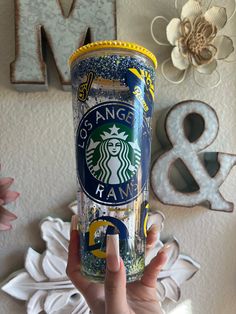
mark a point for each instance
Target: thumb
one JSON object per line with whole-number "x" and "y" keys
{"x": 115, "y": 281}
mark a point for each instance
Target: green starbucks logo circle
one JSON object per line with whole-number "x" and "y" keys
{"x": 113, "y": 153}
{"x": 112, "y": 156}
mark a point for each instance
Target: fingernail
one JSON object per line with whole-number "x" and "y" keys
{"x": 10, "y": 196}
{"x": 74, "y": 223}
{"x": 153, "y": 228}
{"x": 113, "y": 254}
{"x": 166, "y": 248}
{"x": 10, "y": 216}
{"x": 5, "y": 227}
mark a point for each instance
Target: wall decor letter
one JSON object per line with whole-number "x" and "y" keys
{"x": 184, "y": 175}
{"x": 39, "y": 19}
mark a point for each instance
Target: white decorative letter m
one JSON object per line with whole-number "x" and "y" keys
{"x": 64, "y": 34}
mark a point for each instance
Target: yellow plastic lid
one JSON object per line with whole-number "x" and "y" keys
{"x": 113, "y": 44}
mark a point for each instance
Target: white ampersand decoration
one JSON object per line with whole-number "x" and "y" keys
{"x": 189, "y": 152}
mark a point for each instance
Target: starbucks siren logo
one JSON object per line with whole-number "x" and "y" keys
{"x": 113, "y": 160}
{"x": 113, "y": 152}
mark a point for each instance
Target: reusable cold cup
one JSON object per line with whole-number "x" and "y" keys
{"x": 113, "y": 94}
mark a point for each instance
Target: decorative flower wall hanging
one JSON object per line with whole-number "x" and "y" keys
{"x": 6, "y": 196}
{"x": 197, "y": 41}
{"x": 43, "y": 282}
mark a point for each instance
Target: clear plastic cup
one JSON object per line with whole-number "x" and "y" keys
{"x": 113, "y": 96}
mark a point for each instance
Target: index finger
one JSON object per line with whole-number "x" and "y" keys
{"x": 92, "y": 292}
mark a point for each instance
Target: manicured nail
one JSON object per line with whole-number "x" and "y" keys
{"x": 113, "y": 254}
{"x": 153, "y": 228}
{"x": 74, "y": 223}
{"x": 10, "y": 216}
{"x": 10, "y": 196}
{"x": 5, "y": 183}
{"x": 5, "y": 227}
{"x": 166, "y": 248}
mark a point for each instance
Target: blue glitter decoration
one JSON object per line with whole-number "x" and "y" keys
{"x": 111, "y": 67}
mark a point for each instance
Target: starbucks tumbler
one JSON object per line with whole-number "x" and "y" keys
{"x": 113, "y": 94}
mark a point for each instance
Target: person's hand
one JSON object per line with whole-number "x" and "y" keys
{"x": 115, "y": 296}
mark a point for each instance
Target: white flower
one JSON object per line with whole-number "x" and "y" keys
{"x": 196, "y": 40}
{"x": 44, "y": 283}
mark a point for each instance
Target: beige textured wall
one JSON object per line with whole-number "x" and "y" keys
{"x": 36, "y": 145}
